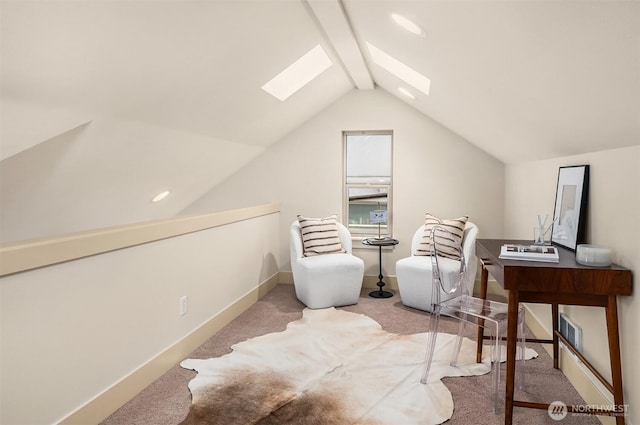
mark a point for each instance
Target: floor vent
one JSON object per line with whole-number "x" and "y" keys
{"x": 571, "y": 331}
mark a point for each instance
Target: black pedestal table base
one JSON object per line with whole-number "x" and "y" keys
{"x": 380, "y": 243}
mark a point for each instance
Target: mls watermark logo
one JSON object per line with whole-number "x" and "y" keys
{"x": 557, "y": 410}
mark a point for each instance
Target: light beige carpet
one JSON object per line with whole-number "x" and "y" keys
{"x": 338, "y": 366}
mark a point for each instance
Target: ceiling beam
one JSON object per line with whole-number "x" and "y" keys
{"x": 333, "y": 20}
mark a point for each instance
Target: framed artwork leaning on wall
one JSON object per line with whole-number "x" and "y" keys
{"x": 569, "y": 214}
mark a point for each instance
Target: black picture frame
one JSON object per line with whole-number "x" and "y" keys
{"x": 570, "y": 209}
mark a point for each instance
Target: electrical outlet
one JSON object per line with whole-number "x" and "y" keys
{"x": 183, "y": 306}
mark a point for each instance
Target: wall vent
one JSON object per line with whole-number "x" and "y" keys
{"x": 571, "y": 331}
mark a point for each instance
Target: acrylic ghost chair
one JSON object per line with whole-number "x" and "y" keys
{"x": 491, "y": 315}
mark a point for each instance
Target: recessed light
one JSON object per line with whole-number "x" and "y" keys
{"x": 406, "y": 93}
{"x": 298, "y": 74}
{"x": 400, "y": 70}
{"x": 408, "y": 24}
{"x": 160, "y": 196}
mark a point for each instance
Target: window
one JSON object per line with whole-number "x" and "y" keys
{"x": 367, "y": 190}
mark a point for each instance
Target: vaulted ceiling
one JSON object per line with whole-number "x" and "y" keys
{"x": 522, "y": 80}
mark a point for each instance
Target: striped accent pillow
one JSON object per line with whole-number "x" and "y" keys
{"x": 320, "y": 235}
{"x": 448, "y": 244}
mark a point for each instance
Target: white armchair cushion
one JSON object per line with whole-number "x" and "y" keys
{"x": 415, "y": 289}
{"x": 414, "y": 273}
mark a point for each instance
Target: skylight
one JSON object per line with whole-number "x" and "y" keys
{"x": 408, "y": 24}
{"x": 298, "y": 74}
{"x": 400, "y": 70}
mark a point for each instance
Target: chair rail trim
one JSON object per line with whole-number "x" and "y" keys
{"x": 22, "y": 256}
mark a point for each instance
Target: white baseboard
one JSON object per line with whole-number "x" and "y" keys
{"x": 391, "y": 282}
{"x": 285, "y": 277}
{"x": 587, "y": 385}
{"x": 120, "y": 393}
{"x": 113, "y": 398}
{"x": 369, "y": 281}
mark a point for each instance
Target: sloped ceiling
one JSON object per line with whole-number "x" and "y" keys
{"x": 193, "y": 65}
{"x": 521, "y": 79}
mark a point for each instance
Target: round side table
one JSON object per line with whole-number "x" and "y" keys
{"x": 380, "y": 243}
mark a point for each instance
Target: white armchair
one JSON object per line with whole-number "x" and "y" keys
{"x": 414, "y": 273}
{"x": 327, "y": 280}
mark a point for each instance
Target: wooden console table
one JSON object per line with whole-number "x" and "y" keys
{"x": 563, "y": 283}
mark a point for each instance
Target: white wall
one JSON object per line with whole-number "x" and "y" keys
{"x": 72, "y": 330}
{"x": 18, "y": 132}
{"x": 101, "y": 173}
{"x": 614, "y": 202}
{"x": 434, "y": 170}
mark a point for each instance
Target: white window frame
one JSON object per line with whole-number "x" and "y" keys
{"x": 360, "y": 231}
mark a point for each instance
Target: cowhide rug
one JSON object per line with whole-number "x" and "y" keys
{"x": 331, "y": 367}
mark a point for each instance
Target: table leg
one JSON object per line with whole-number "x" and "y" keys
{"x": 484, "y": 277}
{"x": 555, "y": 319}
{"x": 380, "y": 293}
{"x": 512, "y": 339}
{"x": 614, "y": 355}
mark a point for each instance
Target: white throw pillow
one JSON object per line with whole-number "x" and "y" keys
{"x": 320, "y": 235}
{"x": 448, "y": 244}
